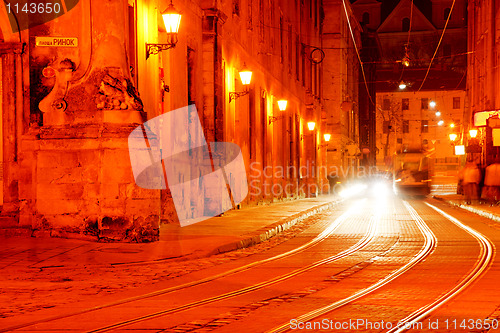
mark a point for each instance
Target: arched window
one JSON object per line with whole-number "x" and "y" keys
{"x": 446, "y": 13}
{"x": 366, "y": 18}
{"x": 405, "y": 24}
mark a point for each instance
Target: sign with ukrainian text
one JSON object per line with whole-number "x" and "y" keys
{"x": 56, "y": 41}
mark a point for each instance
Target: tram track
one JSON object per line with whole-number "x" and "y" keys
{"x": 315, "y": 241}
{"x": 483, "y": 262}
{"x": 363, "y": 242}
{"x": 430, "y": 243}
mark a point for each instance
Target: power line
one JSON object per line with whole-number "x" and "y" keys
{"x": 357, "y": 52}
{"x": 406, "y": 58}
{"x": 439, "y": 43}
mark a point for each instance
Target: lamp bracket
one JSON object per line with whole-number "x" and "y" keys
{"x": 272, "y": 119}
{"x": 157, "y": 48}
{"x": 235, "y": 95}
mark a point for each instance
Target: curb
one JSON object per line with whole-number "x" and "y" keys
{"x": 476, "y": 211}
{"x": 281, "y": 225}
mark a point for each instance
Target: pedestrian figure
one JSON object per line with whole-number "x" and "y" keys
{"x": 491, "y": 190}
{"x": 471, "y": 180}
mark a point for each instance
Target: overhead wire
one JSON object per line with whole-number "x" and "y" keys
{"x": 407, "y": 41}
{"x": 437, "y": 48}
{"x": 357, "y": 52}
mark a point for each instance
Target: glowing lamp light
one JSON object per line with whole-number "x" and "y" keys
{"x": 473, "y": 133}
{"x": 172, "y": 19}
{"x": 402, "y": 85}
{"x": 246, "y": 77}
{"x": 452, "y": 125}
{"x": 311, "y": 125}
{"x": 438, "y": 113}
{"x": 453, "y": 137}
{"x": 460, "y": 150}
{"x": 327, "y": 137}
{"x": 432, "y": 104}
{"x": 440, "y": 123}
{"x": 282, "y": 104}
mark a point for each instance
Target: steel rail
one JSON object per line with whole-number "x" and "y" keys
{"x": 319, "y": 238}
{"x": 367, "y": 238}
{"x": 482, "y": 264}
{"x": 430, "y": 243}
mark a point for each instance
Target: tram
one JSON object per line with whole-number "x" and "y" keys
{"x": 411, "y": 173}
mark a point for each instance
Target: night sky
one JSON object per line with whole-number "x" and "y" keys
{"x": 425, "y": 7}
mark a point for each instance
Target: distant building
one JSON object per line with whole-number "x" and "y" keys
{"x": 340, "y": 82}
{"x": 406, "y": 37}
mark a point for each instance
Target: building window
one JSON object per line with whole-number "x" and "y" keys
{"x": 446, "y": 13}
{"x": 405, "y": 104}
{"x": 425, "y": 126}
{"x": 282, "y": 40}
{"x": 405, "y": 24}
{"x": 406, "y": 126}
{"x": 424, "y": 103}
{"x": 387, "y": 126}
{"x": 261, "y": 20}
{"x": 297, "y": 58}
{"x": 386, "y": 104}
{"x": 456, "y": 102}
{"x": 366, "y": 18}
{"x": 250, "y": 15}
{"x": 236, "y": 7}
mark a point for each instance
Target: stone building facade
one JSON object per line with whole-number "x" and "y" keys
{"x": 483, "y": 77}
{"x": 68, "y": 110}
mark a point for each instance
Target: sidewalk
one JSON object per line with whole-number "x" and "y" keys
{"x": 236, "y": 229}
{"x": 482, "y": 209}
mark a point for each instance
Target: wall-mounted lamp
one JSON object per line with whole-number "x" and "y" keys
{"x": 282, "y": 103}
{"x": 311, "y": 125}
{"x": 402, "y": 85}
{"x": 452, "y": 125}
{"x": 438, "y": 113}
{"x": 440, "y": 123}
{"x": 473, "y": 133}
{"x": 327, "y": 137}
{"x": 432, "y": 104}
{"x": 172, "y": 21}
{"x": 246, "y": 78}
{"x": 453, "y": 137}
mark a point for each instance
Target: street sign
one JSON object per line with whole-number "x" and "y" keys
{"x": 56, "y": 41}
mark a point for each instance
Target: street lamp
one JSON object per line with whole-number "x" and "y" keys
{"x": 327, "y": 137}
{"x": 440, "y": 123}
{"x": 438, "y": 113}
{"x": 246, "y": 78}
{"x": 311, "y": 125}
{"x": 402, "y": 85}
{"x": 172, "y": 21}
{"x": 453, "y": 137}
{"x": 432, "y": 104}
{"x": 473, "y": 133}
{"x": 452, "y": 125}
{"x": 282, "y": 104}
